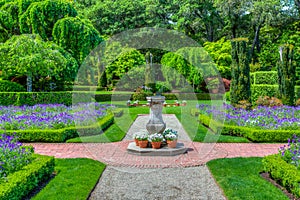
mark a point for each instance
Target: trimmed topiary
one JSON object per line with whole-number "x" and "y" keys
{"x": 8, "y": 86}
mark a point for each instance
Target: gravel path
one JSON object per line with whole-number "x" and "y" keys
{"x": 157, "y": 184}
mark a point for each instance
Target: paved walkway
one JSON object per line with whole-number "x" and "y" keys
{"x": 115, "y": 154}
{"x": 129, "y": 177}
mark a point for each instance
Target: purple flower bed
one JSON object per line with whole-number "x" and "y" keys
{"x": 282, "y": 117}
{"x": 13, "y": 156}
{"x": 50, "y": 116}
{"x": 291, "y": 152}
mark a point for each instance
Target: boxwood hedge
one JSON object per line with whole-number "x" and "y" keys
{"x": 255, "y": 135}
{"x": 19, "y": 184}
{"x": 61, "y": 135}
{"x": 284, "y": 173}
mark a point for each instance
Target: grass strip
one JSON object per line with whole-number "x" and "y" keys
{"x": 75, "y": 179}
{"x": 240, "y": 179}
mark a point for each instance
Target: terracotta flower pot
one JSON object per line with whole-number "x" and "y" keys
{"x": 172, "y": 143}
{"x": 143, "y": 143}
{"x": 136, "y": 142}
{"x": 156, "y": 145}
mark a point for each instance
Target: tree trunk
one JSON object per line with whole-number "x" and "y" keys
{"x": 29, "y": 83}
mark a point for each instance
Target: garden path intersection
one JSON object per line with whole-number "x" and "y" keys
{"x": 115, "y": 154}
{"x": 183, "y": 176}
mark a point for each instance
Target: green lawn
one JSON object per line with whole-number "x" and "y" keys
{"x": 196, "y": 131}
{"x": 75, "y": 179}
{"x": 240, "y": 179}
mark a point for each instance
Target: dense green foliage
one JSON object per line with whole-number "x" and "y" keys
{"x": 240, "y": 72}
{"x": 286, "y": 75}
{"x": 22, "y": 182}
{"x": 8, "y": 86}
{"x": 285, "y": 174}
{"x": 127, "y": 60}
{"x": 40, "y": 17}
{"x": 264, "y": 77}
{"x": 39, "y": 61}
{"x": 220, "y": 53}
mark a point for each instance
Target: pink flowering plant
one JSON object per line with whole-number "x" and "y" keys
{"x": 291, "y": 152}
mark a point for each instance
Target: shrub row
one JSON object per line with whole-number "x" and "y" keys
{"x": 61, "y": 135}
{"x": 282, "y": 172}
{"x": 22, "y": 182}
{"x": 264, "y": 77}
{"x": 268, "y": 90}
{"x": 8, "y": 86}
{"x": 69, "y": 97}
{"x": 33, "y": 98}
{"x": 255, "y": 135}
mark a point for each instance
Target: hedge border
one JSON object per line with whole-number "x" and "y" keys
{"x": 22, "y": 182}
{"x": 255, "y": 135}
{"x": 61, "y": 135}
{"x": 282, "y": 172}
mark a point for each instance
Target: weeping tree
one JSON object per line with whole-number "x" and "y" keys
{"x": 40, "y": 17}
{"x": 30, "y": 56}
{"x": 240, "y": 72}
{"x": 286, "y": 69}
{"x": 77, "y": 36}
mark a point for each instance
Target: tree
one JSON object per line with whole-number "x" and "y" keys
{"x": 199, "y": 20}
{"x": 111, "y": 17}
{"x": 9, "y": 20}
{"x": 240, "y": 72}
{"x": 128, "y": 59}
{"x": 28, "y": 55}
{"x": 286, "y": 75}
{"x": 79, "y": 44}
{"x": 220, "y": 51}
{"x": 40, "y": 17}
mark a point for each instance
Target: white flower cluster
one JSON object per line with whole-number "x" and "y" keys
{"x": 156, "y": 137}
{"x": 141, "y": 136}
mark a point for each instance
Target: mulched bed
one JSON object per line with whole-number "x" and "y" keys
{"x": 267, "y": 177}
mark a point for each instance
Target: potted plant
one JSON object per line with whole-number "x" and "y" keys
{"x": 171, "y": 140}
{"x": 156, "y": 140}
{"x": 142, "y": 138}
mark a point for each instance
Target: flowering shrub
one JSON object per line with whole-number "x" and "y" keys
{"x": 262, "y": 117}
{"x": 50, "y": 116}
{"x": 291, "y": 152}
{"x": 13, "y": 156}
{"x": 156, "y": 137}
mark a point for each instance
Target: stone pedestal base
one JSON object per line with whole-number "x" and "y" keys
{"x": 155, "y": 128}
{"x": 164, "y": 151}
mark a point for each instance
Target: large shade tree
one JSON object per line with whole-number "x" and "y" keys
{"x": 40, "y": 17}
{"x": 30, "y": 56}
{"x": 79, "y": 44}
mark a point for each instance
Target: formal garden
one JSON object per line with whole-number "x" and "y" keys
{"x": 242, "y": 87}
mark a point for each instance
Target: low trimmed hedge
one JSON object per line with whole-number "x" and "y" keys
{"x": 61, "y": 135}
{"x": 255, "y": 135}
{"x": 282, "y": 172}
{"x": 8, "y": 86}
{"x": 33, "y": 98}
{"x": 22, "y": 182}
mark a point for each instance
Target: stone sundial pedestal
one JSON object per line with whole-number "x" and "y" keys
{"x": 156, "y": 123}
